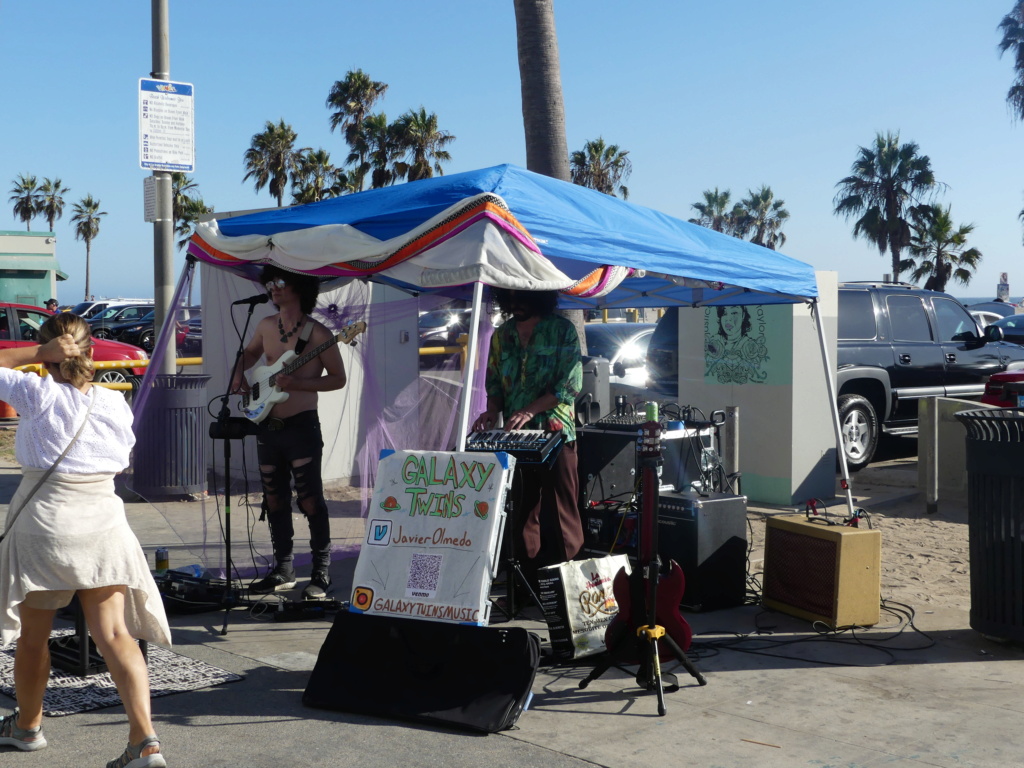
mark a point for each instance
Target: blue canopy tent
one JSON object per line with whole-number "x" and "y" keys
{"x": 508, "y": 227}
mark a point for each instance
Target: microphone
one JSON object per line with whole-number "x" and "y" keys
{"x": 252, "y": 301}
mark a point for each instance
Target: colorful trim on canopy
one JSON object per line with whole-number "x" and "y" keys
{"x": 485, "y": 206}
{"x": 601, "y": 281}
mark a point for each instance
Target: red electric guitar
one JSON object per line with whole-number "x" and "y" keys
{"x": 648, "y": 628}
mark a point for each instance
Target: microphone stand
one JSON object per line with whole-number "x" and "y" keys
{"x": 228, "y": 428}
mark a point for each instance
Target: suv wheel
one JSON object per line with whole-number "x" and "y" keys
{"x": 859, "y": 427}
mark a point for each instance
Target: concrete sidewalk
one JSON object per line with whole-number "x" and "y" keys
{"x": 778, "y": 693}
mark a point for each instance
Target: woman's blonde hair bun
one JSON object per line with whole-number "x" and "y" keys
{"x": 77, "y": 370}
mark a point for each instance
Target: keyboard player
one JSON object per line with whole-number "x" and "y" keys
{"x": 534, "y": 375}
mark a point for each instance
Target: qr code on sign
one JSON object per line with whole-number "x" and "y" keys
{"x": 424, "y": 572}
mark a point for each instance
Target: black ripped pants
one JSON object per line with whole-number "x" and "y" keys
{"x": 292, "y": 448}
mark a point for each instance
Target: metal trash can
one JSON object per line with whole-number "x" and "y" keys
{"x": 170, "y": 447}
{"x": 995, "y": 520}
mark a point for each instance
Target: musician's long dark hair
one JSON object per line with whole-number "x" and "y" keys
{"x": 537, "y": 302}
{"x": 306, "y": 286}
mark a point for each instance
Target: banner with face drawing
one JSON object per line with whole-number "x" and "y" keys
{"x": 433, "y": 535}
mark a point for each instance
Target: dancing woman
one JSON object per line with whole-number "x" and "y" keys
{"x": 67, "y": 534}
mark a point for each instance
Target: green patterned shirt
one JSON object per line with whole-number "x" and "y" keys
{"x": 550, "y": 363}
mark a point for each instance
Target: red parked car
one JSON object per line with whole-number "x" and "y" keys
{"x": 1005, "y": 390}
{"x": 20, "y": 324}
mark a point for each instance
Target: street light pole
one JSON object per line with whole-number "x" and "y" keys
{"x": 163, "y": 225}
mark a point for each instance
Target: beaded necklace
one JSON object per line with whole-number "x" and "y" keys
{"x": 289, "y": 334}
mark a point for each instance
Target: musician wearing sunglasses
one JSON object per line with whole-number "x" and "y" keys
{"x": 534, "y": 375}
{"x": 289, "y": 443}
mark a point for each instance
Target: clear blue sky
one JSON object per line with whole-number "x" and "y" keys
{"x": 732, "y": 95}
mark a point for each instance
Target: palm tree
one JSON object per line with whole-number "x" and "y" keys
{"x": 87, "y": 226}
{"x": 543, "y": 106}
{"x": 715, "y": 212}
{"x": 185, "y": 219}
{"x": 941, "y": 249}
{"x": 272, "y": 159}
{"x": 316, "y": 178}
{"x": 352, "y": 99}
{"x": 889, "y": 181}
{"x": 183, "y": 189}
{"x": 25, "y": 196}
{"x": 764, "y": 216}
{"x": 1013, "y": 38}
{"x": 602, "y": 167}
{"x": 424, "y": 143}
{"x": 51, "y": 200}
{"x": 541, "y": 83}
{"x": 378, "y": 143}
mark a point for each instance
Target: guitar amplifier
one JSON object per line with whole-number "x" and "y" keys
{"x": 826, "y": 573}
{"x": 707, "y": 536}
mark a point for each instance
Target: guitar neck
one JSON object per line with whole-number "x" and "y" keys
{"x": 298, "y": 362}
{"x": 345, "y": 335}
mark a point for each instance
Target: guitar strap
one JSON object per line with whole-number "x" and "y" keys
{"x": 300, "y": 345}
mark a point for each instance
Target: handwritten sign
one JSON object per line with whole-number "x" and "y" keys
{"x": 433, "y": 536}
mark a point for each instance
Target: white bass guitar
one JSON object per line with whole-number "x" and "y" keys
{"x": 264, "y": 394}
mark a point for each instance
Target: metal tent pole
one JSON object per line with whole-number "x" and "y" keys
{"x": 467, "y": 373}
{"x": 833, "y": 406}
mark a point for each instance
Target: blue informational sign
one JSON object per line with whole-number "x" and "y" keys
{"x": 166, "y": 126}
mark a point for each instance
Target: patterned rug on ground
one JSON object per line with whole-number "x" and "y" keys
{"x": 68, "y": 694}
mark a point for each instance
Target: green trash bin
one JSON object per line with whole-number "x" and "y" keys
{"x": 169, "y": 459}
{"x": 995, "y": 520}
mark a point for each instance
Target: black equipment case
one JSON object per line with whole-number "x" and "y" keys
{"x": 459, "y": 675}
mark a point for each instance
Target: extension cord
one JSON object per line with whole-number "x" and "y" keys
{"x": 305, "y": 610}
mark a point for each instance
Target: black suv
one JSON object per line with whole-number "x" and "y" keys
{"x": 897, "y": 344}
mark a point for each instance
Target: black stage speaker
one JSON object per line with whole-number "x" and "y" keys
{"x": 606, "y": 468}
{"x": 460, "y": 675}
{"x": 707, "y": 536}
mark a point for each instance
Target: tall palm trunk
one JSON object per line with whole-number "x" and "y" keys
{"x": 543, "y": 108}
{"x": 88, "y": 249}
{"x": 547, "y": 151}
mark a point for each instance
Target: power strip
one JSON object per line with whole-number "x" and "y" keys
{"x": 305, "y": 610}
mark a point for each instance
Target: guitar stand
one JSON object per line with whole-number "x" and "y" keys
{"x": 643, "y": 644}
{"x": 640, "y": 641}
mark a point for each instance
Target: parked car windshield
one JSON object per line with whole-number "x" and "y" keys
{"x": 438, "y": 318}
{"x": 619, "y": 341}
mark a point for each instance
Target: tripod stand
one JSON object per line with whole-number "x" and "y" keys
{"x": 513, "y": 569}
{"x": 648, "y": 600}
{"x": 228, "y": 428}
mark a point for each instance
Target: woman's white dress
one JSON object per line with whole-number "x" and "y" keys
{"x": 73, "y": 532}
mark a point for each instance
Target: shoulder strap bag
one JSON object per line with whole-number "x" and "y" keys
{"x": 46, "y": 475}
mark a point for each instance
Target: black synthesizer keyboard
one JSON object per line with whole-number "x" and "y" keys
{"x": 528, "y": 446}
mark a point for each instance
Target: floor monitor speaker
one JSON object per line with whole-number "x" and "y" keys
{"x": 820, "y": 572}
{"x": 458, "y": 675}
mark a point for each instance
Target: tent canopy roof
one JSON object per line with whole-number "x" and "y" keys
{"x": 508, "y": 226}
